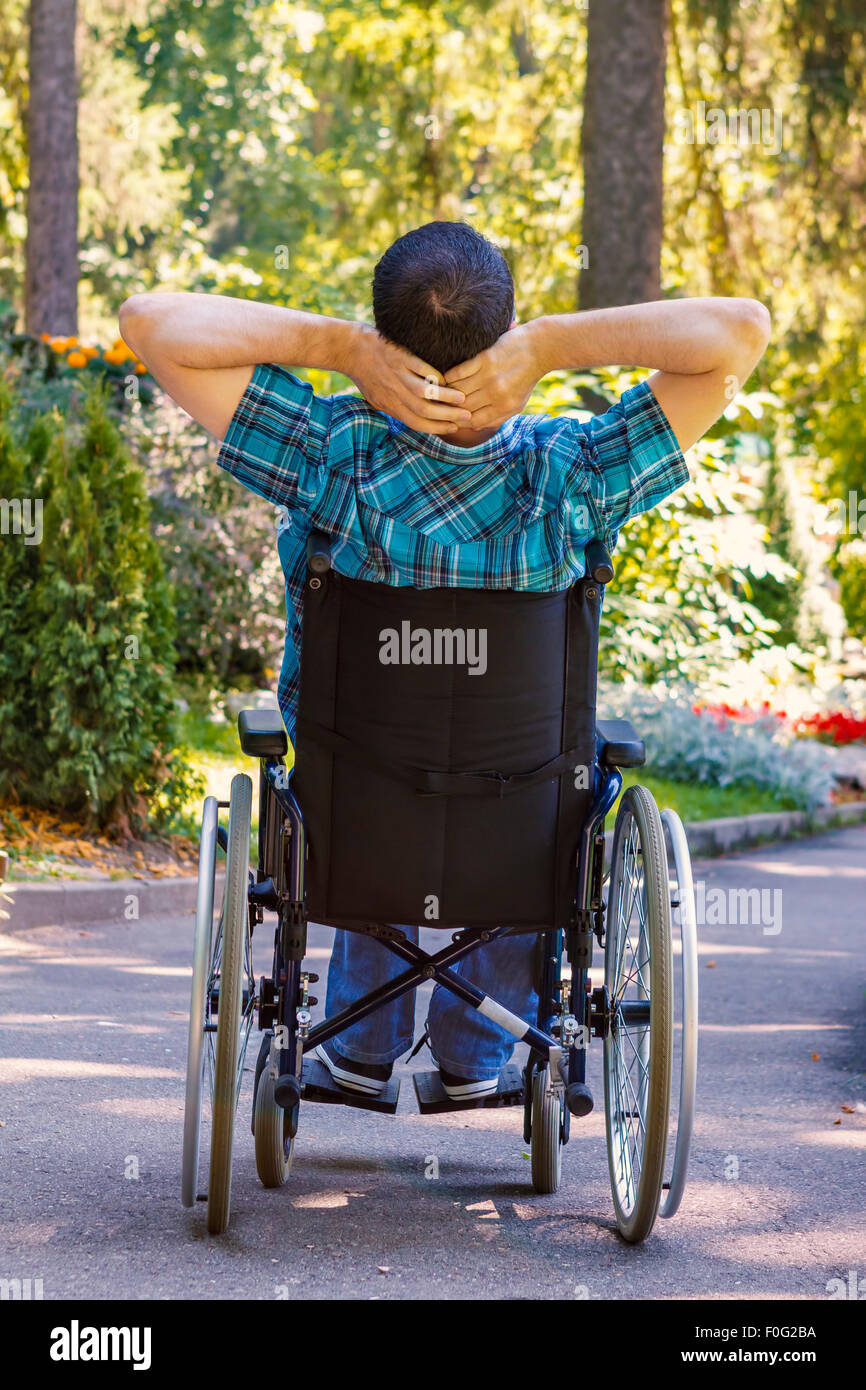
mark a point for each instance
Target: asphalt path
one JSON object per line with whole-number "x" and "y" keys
{"x": 93, "y": 1039}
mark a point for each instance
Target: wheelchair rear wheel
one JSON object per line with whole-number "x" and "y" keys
{"x": 638, "y": 1044}
{"x": 546, "y": 1148}
{"x": 231, "y": 985}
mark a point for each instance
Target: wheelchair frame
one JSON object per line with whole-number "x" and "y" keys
{"x": 570, "y": 1012}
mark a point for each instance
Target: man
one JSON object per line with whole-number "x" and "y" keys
{"x": 433, "y": 477}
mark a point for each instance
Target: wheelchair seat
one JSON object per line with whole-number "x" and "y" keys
{"x": 262, "y": 734}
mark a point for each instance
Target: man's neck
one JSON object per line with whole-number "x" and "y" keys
{"x": 466, "y": 438}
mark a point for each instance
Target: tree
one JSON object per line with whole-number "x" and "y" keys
{"x": 622, "y": 143}
{"x": 51, "y": 290}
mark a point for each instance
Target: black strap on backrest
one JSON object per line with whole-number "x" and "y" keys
{"x": 433, "y": 781}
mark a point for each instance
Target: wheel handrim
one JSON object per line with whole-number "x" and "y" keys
{"x": 196, "y": 1044}
{"x": 628, "y": 1042}
{"x": 685, "y": 918}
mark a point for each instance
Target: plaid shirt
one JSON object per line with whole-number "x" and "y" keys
{"x": 407, "y": 508}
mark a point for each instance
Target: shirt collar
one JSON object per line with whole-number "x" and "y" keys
{"x": 499, "y": 446}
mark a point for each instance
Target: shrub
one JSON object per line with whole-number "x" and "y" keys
{"x": 687, "y": 572}
{"x": 86, "y": 709}
{"x": 218, "y": 544}
{"x": 688, "y": 744}
{"x": 216, "y": 539}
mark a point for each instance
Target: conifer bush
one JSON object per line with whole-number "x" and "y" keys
{"x": 87, "y": 720}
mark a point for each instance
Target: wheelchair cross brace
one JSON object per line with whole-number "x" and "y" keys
{"x": 565, "y": 1057}
{"x": 436, "y": 967}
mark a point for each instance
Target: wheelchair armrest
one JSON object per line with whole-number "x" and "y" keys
{"x": 618, "y": 744}
{"x": 262, "y": 734}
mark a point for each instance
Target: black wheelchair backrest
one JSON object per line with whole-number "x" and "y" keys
{"x": 445, "y": 750}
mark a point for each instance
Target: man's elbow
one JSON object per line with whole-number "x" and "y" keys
{"x": 753, "y": 326}
{"x": 135, "y": 319}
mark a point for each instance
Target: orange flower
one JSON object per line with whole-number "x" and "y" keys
{"x": 59, "y": 344}
{"x": 114, "y": 355}
{"x": 46, "y": 337}
{"x": 77, "y": 359}
{"x": 140, "y": 368}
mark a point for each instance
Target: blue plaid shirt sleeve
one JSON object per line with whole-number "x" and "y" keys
{"x": 277, "y": 441}
{"x": 634, "y": 457}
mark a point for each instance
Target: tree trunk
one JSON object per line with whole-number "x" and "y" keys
{"x": 622, "y": 142}
{"x": 51, "y": 286}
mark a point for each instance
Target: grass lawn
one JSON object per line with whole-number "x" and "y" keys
{"x": 697, "y": 801}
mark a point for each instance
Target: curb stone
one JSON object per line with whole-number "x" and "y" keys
{"x": 74, "y": 903}
{"x": 709, "y": 838}
{"x": 78, "y": 903}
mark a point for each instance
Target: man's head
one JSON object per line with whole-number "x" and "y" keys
{"x": 443, "y": 292}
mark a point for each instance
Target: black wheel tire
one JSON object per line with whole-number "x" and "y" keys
{"x": 274, "y": 1141}
{"x": 546, "y": 1135}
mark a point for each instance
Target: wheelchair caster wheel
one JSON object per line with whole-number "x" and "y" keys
{"x": 546, "y": 1134}
{"x": 273, "y": 1131}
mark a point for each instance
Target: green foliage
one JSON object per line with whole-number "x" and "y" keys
{"x": 853, "y": 587}
{"x": 218, "y": 544}
{"x": 275, "y": 149}
{"x": 686, "y": 572}
{"x": 781, "y": 600}
{"x": 86, "y": 711}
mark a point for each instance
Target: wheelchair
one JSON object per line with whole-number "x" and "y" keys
{"x": 461, "y": 784}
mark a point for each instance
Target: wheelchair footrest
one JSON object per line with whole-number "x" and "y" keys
{"x": 318, "y": 1084}
{"x": 433, "y": 1099}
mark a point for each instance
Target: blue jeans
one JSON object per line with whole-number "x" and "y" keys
{"x": 462, "y": 1040}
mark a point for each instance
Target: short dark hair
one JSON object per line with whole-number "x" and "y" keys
{"x": 443, "y": 292}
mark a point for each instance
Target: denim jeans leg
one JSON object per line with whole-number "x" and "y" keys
{"x": 360, "y": 964}
{"x": 464, "y": 1041}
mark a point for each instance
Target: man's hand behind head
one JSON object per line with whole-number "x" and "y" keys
{"x": 498, "y": 382}
{"x": 400, "y": 384}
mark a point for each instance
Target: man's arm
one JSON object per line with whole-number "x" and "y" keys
{"x": 703, "y": 350}
{"x": 202, "y": 349}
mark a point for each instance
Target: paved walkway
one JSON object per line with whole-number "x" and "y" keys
{"x": 93, "y": 1036}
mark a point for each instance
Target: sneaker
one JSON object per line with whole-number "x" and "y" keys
{"x": 467, "y": 1088}
{"x": 364, "y": 1077}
